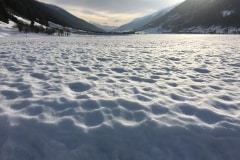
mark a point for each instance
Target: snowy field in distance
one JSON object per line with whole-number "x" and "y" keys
{"x": 142, "y": 97}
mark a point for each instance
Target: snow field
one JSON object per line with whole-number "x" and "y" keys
{"x": 143, "y": 97}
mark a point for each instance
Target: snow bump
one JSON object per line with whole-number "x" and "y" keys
{"x": 79, "y": 86}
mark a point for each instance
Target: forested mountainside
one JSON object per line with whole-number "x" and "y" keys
{"x": 204, "y": 13}
{"x": 43, "y": 13}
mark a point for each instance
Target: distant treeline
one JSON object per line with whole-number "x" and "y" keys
{"x": 111, "y": 33}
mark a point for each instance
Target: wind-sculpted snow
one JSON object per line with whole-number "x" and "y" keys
{"x": 165, "y": 97}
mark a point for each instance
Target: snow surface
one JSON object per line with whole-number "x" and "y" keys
{"x": 24, "y": 20}
{"x": 226, "y": 13}
{"x": 140, "y": 97}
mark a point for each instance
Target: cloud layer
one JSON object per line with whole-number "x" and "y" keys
{"x": 113, "y": 12}
{"x": 118, "y": 6}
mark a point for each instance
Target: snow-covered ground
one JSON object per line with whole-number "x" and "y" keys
{"x": 141, "y": 97}
{"x": 10, "y": 30}
{"x": 195, "y": 30}
{"x": 7, "y": 29}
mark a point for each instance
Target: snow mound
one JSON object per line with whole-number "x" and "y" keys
{"x": 171, "y": 97}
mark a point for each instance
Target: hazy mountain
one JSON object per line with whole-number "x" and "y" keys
{"x": 199, "y": 13}
{"x": 142, "y": 21}
{"x": 43, "y": 13}
{"x": 106, "y": 28}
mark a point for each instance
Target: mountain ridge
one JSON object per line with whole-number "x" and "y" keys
{"x": 142, "y": 21}
{"x": 190, "y": 16}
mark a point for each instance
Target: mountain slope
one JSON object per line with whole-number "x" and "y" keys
{"x": 43, "y": 13}
{"x": 204, "y": 13}
{"x": 140, "y": 22}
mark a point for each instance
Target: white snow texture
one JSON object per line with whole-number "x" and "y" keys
{"x": 140, "y": 97}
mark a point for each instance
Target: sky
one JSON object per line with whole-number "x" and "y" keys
{"x": 111, "y": 12}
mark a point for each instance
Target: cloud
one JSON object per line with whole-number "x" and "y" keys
{"x": 90, "y": 12}
{"x": 118, "y": 6}
{"x": 103, "y": 17}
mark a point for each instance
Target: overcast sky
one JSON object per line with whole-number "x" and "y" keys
{"x": 111, "y": 12}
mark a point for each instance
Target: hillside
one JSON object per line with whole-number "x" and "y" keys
{"x": 195, "y": 14}
{"x": 44, "y": 13}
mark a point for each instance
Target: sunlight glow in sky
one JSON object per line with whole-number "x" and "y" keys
{"x": 111, "y": 12}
